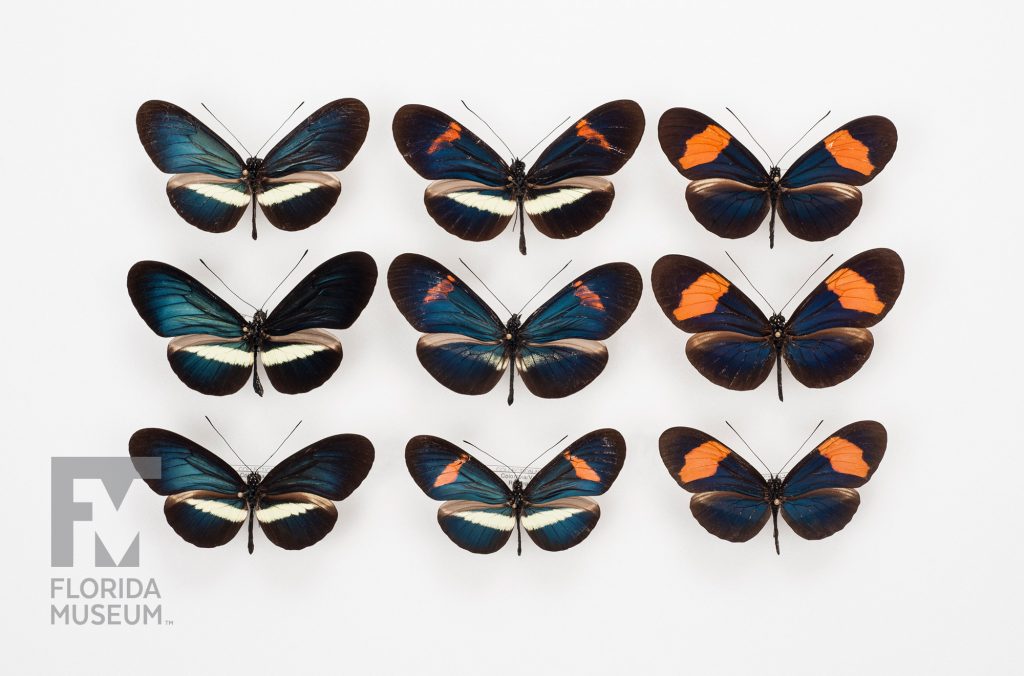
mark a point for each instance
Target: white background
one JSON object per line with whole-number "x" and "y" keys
{"x": 925, "y": 579}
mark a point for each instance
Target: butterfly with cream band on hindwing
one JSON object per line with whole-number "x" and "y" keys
{"x": 824, "y": 342}
{"x": 213, "y": 186}
{"x": 557, "y": 350}
{"x": 733, "y": 501}
{"x": 476, "y": 194}
{"x": 730, "y": 192}
{"x": 481, "y": 510}
{"x": 214, "y": 349}
{"x": 208, "y": 501}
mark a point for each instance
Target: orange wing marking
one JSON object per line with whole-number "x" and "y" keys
{"x": 848, "y": 152}
{"x": 447, "y": 137}
{"x": 587, "y": 297}
{"x": 584, "y": 130}
{"x": 704, "y": 147}
{"x": 854, "y": 292}
{"x": 440, "y": 290}
{"x": 701, "y": 297}
{"x": 702, "y": 462}
{"x": 451, "y": 471}
{"x": 582, "y": 469}
{"x": 846, "y": 458}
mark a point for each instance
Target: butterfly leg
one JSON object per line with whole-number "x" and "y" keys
{"x": 511, "y": 381}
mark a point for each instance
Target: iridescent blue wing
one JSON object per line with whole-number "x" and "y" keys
{"x": 203, "y": 504}
{"x": 477, "y": 527}
{"x": 446, "y": 472}
{"x": 598, "y": 144}
{"x": 560, "y": 524}
{"x": 588, "y": 466}
{"x": 559, "y": 354}
{"x": 209, "y": 192}
{"x": 295, "y": 508}
{"x": 729, "y": 494}
{"x": 438, "y": 147}
{"x": 327, "y": 140}
{"x": 173, "y": 303}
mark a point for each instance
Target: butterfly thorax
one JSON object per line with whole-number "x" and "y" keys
{"x": 512, "y": 335}
{"x": 252, "y": 486}
{"x": 773, "y": 492}
{"x": 777, "y": 323}
{"x": 253, "y": 173}
{"x": 253, "y": 332}
{"x": 517, "y": 180}
{"x": 774, "y": 183}
{"x": 516, "y": 501}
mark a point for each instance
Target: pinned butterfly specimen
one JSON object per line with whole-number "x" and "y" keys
{"x": 733, "y": 500}
{"x": 731, "y": 193}
{"x": 481, "y": 510}
{"x": 556, "y": 350}
{"x": 208, "y": 500}
{"x": 215, "y": 349}
{"x": 213, "y": 185}
{"x": 475, "y": 194}
{"x": 824, "y": 342}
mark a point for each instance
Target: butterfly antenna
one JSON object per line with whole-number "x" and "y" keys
{"x": 545, "y": 286}
{"x": 227, "y": 444}
{"x": 545, "y": 452}
{"x": 226, "y": 286}
{"x": 748, "y": 446}
{"x": 807, "y": 280}
{"x": 801, "y": 446}
{"x": 751, "y": 283}
{"x": 230, "y": 133}
{"x": 279, "y": 128}
{"x": 491, "y": 128}
{"x": 285, "y": 278}
{"x": 805, "y": 135}
{"x": 279, "y": 446}
{"x": 756, "y": 142}
{"x": 486, "y": 287}
{"x": 557, "y": 126}
{"x": 511, "y": 471}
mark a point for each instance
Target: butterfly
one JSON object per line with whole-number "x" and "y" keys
{"x": 733, "y": 500}
{"x": 824, "y": 342}
{"x": 556, "y": 350}
{"x": 213, "y": 186}
{"x": 214, "y": 348}
{"x": 730, "y": 192}
{"x": 481, "y": 510}
{"x": 475, "y": 194}
{"x": 208, "y": 501}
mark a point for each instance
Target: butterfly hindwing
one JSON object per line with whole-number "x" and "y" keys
{"x": 469, "y": 210}
{"x": 211, "y": 365}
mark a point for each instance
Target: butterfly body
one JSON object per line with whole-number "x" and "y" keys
{"x": 207, "y": 499}
{"x": 733, "y": 501}
{"x": 475, "y": 193}
{"x": 730, "y": 192}
{"x": 823, "y": 342}
{"x": 480, "y": 510}
{"x": 556, "y": 350}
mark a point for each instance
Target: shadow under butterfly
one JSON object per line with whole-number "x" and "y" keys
{"x": 556, "y": 350}
{"x": 208, "y": 500}
{"x": 476, "y": 194}
{"x": 481, "y": 510}
{"x": 733, "y": 501}
{"x": 730, "y": 192}
{"x": 824, "y": 342}
{"x": 214, "y": 349}
{"x": 213, "y": 185}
